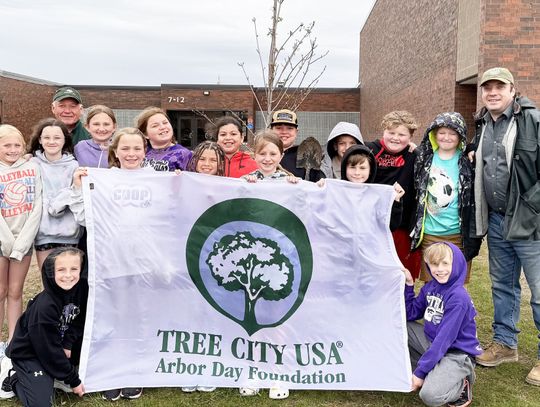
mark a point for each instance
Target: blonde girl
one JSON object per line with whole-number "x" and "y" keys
{"x": 20, "y": 207}
{"x": 268, "y": 154}
{"x": 126, "y": 152}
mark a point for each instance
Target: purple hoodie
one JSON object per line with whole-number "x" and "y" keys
{"x": 175, "y": 157}
{"x": 90, "y": 154}
{"x": 448, "y": 314}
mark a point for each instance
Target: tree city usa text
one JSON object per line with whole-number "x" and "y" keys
{"x": 197, "y": 343}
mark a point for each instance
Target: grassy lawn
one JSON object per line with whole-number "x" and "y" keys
{"x": 501, "y": 386}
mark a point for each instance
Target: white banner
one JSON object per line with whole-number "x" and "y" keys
{"x": 201, "y": 280}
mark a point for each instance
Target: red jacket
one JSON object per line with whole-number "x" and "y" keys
{"x": 239, "y": 164}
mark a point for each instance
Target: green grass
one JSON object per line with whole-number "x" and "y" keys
{"x": 503, "y": 386}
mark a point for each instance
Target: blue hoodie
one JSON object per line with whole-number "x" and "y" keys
{"x": 448, "y": 314}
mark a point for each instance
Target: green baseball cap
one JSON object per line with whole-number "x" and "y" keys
{"x": 66, "y": 92}
{"x": 497, "y": 74}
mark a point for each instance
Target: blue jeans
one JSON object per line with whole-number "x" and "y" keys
{"x": 506, "y": 260}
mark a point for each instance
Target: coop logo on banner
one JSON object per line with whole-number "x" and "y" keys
{"x": 251, "y": 259}
{"x": 132, "y": 195}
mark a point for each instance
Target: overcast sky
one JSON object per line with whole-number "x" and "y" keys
{"x": 152, "y": 42}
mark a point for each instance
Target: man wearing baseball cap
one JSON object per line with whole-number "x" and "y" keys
{"x": 507, "y": 208}
{"x": 67, "y": 107}
{"x": 285, "y": 124}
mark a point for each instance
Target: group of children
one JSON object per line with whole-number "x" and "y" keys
{"x": 42, "y": 208}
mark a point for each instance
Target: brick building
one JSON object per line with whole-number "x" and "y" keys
{"x": 426, "y": 56}
{"x": 25, "y": 100}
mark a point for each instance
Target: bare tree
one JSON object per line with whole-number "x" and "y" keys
{"x": 287, "y": 76}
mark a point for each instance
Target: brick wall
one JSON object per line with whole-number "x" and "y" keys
{"x": 408, "y": 61}
{"x": 23, "y": 103}
{"x": 509, "y": 37}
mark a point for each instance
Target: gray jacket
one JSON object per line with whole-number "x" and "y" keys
{"x": 340, "y": 129}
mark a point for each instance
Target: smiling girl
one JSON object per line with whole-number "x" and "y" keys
{"x": 51, "y": 147}
{"x": 20, "y": 205}
{"x": 101, "y": 124}
{"x": 208, "y": 158}
{"x": 163, "y": 153}
{"x": 126, "y": 152}
{"x": 268, "y": 154}
{"x": 230, "y": 138}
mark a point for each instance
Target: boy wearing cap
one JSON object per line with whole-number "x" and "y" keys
{"x": 285, "y": 124}
{"x": 507, "y": 208}
{"x": 67, "y": 107}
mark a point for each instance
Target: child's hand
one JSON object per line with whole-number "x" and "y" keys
{"x": 399, "y": 191}
{"x": 178, "y": 172}
{"x": 251, "y": 178}
{"x": 321, "y": 183}
{"x": 408, "y": 277}
{"x": 68, "y": 353}
{"x": 412, "y": 147}
{"x": 292, "y": 179}
{"x": 27, "y": 156}
{"x": 79, "y": 390}
{"x": 417, "y": 383}
{"x": 77, "y": 176}
{"x": 471, "y": 156}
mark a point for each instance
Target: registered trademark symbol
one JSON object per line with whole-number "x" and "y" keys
{"x": 339, "y": 344}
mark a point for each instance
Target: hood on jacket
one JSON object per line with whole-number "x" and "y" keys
{"x": 459, "y": 267}
{"x": 451, "y": 120}
{"x": 363, "y": 150}
{"x": 66, "y": 157}
{"x": 21, "y": 161}
{"x": 47, "y": 276}
{"x": 342, "y": 129}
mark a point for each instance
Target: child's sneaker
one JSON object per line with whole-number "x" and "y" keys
{"x": 132, "y": 393}
{"x": 277, "y": 393}
{"x": 248, "y": 391}
{"x": 465, "y": 398}
{"x": 6, "y": 391}
{"x": 206, "y": 389}
{"x": 111, "y": 395}
{"x": 189, "y": 389}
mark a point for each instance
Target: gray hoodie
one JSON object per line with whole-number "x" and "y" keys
{"x": 331, "y": 164}
{"x": 58, "y": 224}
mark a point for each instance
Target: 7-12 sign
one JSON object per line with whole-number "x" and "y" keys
{"x": 177, "y": 99}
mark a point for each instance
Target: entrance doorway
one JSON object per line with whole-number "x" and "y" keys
{"x": 192, "y": 129}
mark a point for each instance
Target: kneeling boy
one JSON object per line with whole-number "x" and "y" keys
{"x": 40, "y": 349}
{"x": 443, "y": 350}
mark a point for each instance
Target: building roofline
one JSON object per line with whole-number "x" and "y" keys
{"x": 25, "y": 78}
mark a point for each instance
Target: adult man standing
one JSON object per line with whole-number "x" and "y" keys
{"x": 507, "y": 199}
{"x": 285, "y": 124}
{"x": 67, "y": 107}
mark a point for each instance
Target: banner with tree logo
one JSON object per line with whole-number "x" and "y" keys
{"x": 203, "y": 280}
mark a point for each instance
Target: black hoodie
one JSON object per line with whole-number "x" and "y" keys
{"x": 53, "y": 321}
{"x": 397, "y": 207}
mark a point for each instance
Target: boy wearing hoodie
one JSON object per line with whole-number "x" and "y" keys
{"x": 46, "y": 333}
{"x": 443, "y": 349}
{"x": 358, "y": 166}
{"x": 342, "y": 136}
{"x": 443, "y": 179}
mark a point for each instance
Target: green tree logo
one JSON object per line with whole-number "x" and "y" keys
{"x": 256, "y": 266}
{"x": 251, "y": 259}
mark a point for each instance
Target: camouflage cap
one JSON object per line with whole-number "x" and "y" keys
{"x": 497, "y": 74}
